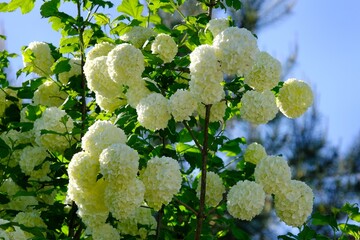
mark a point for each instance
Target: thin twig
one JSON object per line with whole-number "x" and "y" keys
{"x": 192, "y": 135}
{"x": 185, "y": 205}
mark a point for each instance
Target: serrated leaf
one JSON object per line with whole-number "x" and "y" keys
{"x": 321, "y": 220}
{"x": 49, "y": 8}
{"x": 101, "y": 19}
{"x": 132, "y": 8}
{"x": 25, "y": 6}
{"x": 61, "y": 65}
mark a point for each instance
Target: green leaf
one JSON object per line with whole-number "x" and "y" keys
{"x": 132, "y": 8}
{"x": 232, "y": 147}
{"x": 49, "y": 8}
{"x": 25, "y": 6}
{"x": 350, "y": 229}
{"x": 101, "y": 19}
{"x": 4, "y": 149}
{"x": 3, "y": 198}
{"x": 352, "y": 210}
{"x": 323, "y": 220}
{"x": 61, "y": 65}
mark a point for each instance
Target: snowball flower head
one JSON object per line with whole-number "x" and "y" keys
{"x": 294, "y": 205}
{"x": 75, "y": 69}
{"x": 105, "y": 232}
{"x": 217, "y": 25}
{"x": 119, "y": 161}
{"x": 42, "y": 60}
{"x": 182, "y": 105}
{"x": 125, "y": 62}
{"x": 254, "y": 153}
{"x": 294, "y": 98}
{"x": 98, "y": 78}
{"x": 236, "y": 49}
{"x": 83, "y": 170}
{"x": 123, "y": 199}
{"x": 245, "y": 200}
{"x": 53, "y": 119}
{"x": 162, "y": 180}
{"x": 214, "y": 189}
{"x": 110, "y": 104}
{"x": 137, "y": 36}
{"x": 31, "y": 157}
{"x": 99, "y": 50}
{"x": 101, "y": 135}
{"x": 165, "y": 47}
{"x": 49, "y": 94}
{"x": 204, "y": 65}
{"x": 258, "y": 107}
{"x": 273, "y": 173}
{"x": 137, "y": 91}
{"x": 153, "y": 111}
{"x": 206, "y": 92}
{"x": 265, "y": 73}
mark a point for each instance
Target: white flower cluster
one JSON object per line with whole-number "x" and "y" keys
{"x": 162, "y": 180}
{"x": 182, "y": 105}
{"x": 236, "y": 48}
{"x": 41, "y": 60}
{"x": 165, "y": 47}
{"x": 31, "y": 157}
{"x": 125, "y": 63}
{"x": 105, "y": 232}
{"x": 265, "y": 73}
{"x": 101, "y": 135}
{"x": 258, "y": 107}
{"x": 49, "y": 94}
{"x": 57, "y": 121}
{"x": 294, "y": 98}
{"x": 273, "y": 173}
{"x": 75, "y": 69}
{"x": 29, "y": 219}
{"x": 153, "y": 111}
{"x": 254, "y": 153}
{"x": 295, "y": 203}
{"x": 137, "y": 36}
{"x": 217, "y": 25}
{"x": 99, "y": 50}
{"x": 217, "y": 111}
{"x": 214, "y": 189}
{"x": 137, "y": 91}
{"x": 245, "y": 200}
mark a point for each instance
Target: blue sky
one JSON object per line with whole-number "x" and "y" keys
{"x": 326, "y": 32}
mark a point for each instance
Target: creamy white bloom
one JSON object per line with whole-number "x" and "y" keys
{"x": 254, "y": 153}
{"x": 75, "y": 69}
{"x": 236, "y": 48}
{"x": 105, "y": 232}
{"x": 138, "y": 35}
{"x": 295, "y": 204}
{"x": 214, "y": 189}
{"x": 123, "y": 199}
{"x": 217, "y": 25}
{"x": 49, "y": 94}
{"x": 83, "y": 170}
{"x": 294, "y": 98}
{"x": 165, "y": 47}
{"x": 110, "y": 104}
{"x": 217, "y": 111}
{"x": 265, "y": 73}
{"x": 258, "y": 107}
{"x": 273, "y": 173}
{"x": 101, "y": 135}
{"x": 31, "y": 157}
{"x": 245, "y": 200}
{"x": 153, "y": 111}
{"x": 182, "y": 105}
{"x": 53, "y": 119}
{"x": 43, "y": 59}
{"x": 125, "y": 63}
{"x": 137, "y": 91}
{"x": 119, "y": 161}
{"x": 206, "y": 92}
{"x": 98, "y": 78}
{"x": 99, "y": 50}
{"x": 162, "y": 180}
{"x": 204, "y": 65}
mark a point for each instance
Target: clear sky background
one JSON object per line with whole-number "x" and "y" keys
{"x": 327, "y": 33}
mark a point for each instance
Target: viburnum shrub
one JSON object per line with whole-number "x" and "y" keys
{"x": 119, "y": 129}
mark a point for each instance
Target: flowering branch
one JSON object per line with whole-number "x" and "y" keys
{"x": 185, "y": 205}
{"x": 192, "y": 135}
{"x": 204, "y": 154}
